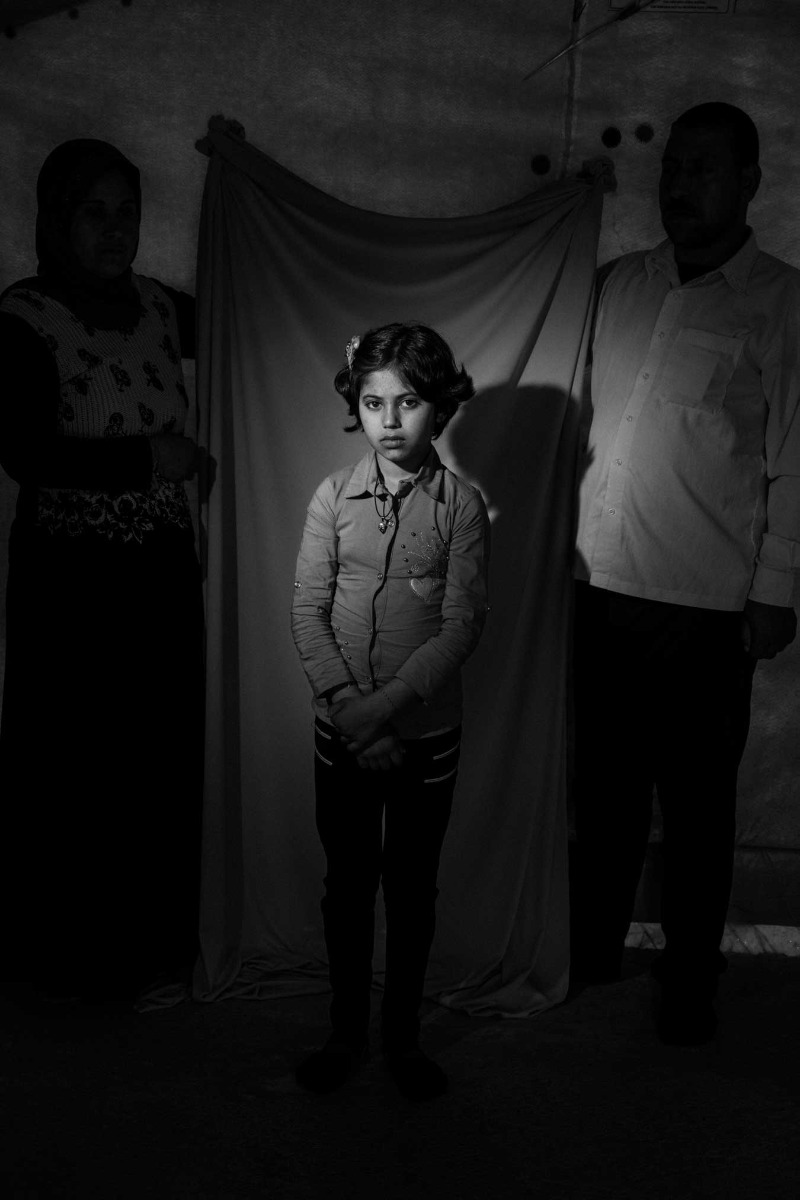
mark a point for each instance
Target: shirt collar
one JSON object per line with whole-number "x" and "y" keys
{"x": 736, "y": 271}
{"x": 365, "y": 476}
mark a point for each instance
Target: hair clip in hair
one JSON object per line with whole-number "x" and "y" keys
{"x": 350, "y": 349}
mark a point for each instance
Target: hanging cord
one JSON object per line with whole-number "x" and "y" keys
{"x": 630, "y": 10}
{"x": 571, "y": 89}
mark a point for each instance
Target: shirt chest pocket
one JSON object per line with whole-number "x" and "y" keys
{"x": 698, "y": 369}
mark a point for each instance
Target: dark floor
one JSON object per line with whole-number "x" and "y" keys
{"x": 579, "y": 1103}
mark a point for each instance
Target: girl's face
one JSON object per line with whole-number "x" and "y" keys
{"x": 105, "y": 227}
{"x": 398, "y": 423}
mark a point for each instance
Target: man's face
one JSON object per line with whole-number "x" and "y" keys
{"x": 703, "y": 192}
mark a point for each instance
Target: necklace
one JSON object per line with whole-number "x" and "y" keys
{"x": 386, "y": 511}
{"x": 390, "y": 505}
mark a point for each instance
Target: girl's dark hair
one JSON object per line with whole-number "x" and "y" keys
{"x": 420, "y": 356}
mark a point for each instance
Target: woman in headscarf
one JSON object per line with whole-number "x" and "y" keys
{"x": 101, "y": 739}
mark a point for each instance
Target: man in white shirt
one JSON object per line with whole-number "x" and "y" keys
{"x": 688, "y": 557}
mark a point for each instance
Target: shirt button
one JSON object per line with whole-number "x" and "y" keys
{"x": 380, "y": 575}
{"x": 413, "y": 534}
{"x": 402, "y": 545}
{"x": 405, "y": 560}
{"x": 629, "y": 418}
{"x": 612, "y": 511}
{"x": 348, "y": 657}
{"x": 661, "y": 334}
{"x": 618, "y": 461}
{"x": 646, "y": 375}
{"x": 409, "y": 572}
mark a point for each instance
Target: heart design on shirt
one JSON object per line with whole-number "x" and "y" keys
{"x": 424, "y": 587}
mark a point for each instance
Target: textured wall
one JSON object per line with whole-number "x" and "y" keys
{"x": 652, "y": 67}
{"x": 412, "y": 107}
{"x": 415, "y": 107}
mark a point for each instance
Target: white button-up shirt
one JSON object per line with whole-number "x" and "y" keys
{"x": 690, "y": 487}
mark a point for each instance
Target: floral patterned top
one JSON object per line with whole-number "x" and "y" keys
{"x": 113, "y": 383}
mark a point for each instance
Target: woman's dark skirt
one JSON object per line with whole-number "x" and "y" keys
{"x": 101, "y": 761}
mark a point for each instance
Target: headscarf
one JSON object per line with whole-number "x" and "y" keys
{"x": 68, "y": 173}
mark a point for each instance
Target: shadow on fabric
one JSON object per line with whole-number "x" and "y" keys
{"x": 508, "y": 940}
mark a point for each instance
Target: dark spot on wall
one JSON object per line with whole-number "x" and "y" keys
{"x": 540, "y": 164}
{"x": 644, "y": 133}
{"x": 611, "y": 137}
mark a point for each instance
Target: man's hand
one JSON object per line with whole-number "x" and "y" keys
{"x": 767, "y": 628}
{"x": 358, "y": 720}
{"x": 384, "y": 754}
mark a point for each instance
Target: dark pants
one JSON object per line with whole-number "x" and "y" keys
{"x": 417, "y": 798}
{"x": 662, "y": 699}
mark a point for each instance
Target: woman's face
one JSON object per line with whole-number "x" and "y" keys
{"x": 104, "y": 233}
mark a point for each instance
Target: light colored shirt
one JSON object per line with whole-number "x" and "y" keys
{"x": 409, "y": 603}
{"x": 690, "y": 491}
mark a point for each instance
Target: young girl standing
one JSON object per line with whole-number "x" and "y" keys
{"x": 390, "y": 599}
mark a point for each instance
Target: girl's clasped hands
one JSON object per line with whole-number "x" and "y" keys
{"x": 361, "y": 722}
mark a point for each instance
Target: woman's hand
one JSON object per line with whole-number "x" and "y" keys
{"x": 384, "y": 754}
{"x": 358, "y": 720}
{"x": 175, "y": 457}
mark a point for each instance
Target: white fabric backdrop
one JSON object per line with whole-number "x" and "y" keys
{"x": 285, "y": 276}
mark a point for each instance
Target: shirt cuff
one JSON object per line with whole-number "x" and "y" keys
{"x": 321, "y": 679}
{"x": 771, "y": 586}
{"x": 419, "y": 679}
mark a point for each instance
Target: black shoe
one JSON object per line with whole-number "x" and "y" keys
{"x": 417, "y": 1076}
{"x": 667, "y": 973}
{"x": 686, "y": 1019}
{"x": 330, "y": 1067}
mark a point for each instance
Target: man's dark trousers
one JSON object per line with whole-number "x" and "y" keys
{"x": 662, "y": 699}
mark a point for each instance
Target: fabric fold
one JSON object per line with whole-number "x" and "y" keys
{"x": 286, "y": 275}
